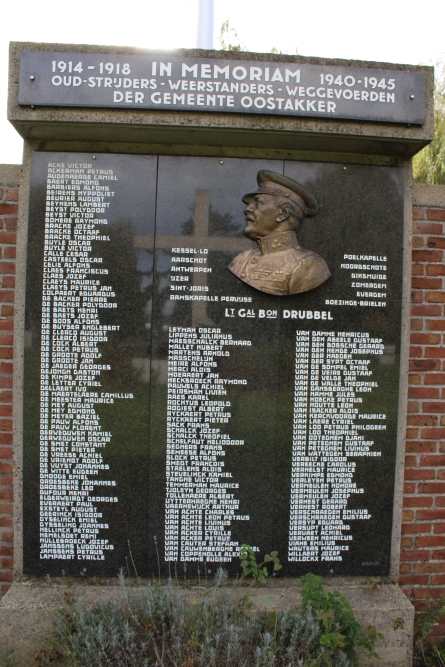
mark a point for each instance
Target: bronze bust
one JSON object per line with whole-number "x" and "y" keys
{"x": 277, "y": 264}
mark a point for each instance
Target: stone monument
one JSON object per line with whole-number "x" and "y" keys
{"x": 204, "y": 367}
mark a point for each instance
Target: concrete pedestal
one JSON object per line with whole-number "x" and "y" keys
{"x": 27, "y": 608}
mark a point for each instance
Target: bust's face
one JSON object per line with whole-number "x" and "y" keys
{"x": 261, "y": 216}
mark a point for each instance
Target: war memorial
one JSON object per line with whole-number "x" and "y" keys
{"x": 212, "y": 316}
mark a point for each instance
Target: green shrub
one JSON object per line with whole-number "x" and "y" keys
{"x": 165, "y": 626}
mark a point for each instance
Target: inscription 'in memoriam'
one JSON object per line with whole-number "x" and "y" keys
{"x": 216, "y": 85}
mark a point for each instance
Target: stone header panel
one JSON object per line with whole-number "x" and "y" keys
{"x": 164, "y": 82}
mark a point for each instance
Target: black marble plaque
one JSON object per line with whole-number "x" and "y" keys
{"x": 238, "y": 416}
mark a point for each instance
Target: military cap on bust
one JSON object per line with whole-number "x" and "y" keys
{"x": 271, "y": 183}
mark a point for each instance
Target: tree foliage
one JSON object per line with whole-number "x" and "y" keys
{"x": 429, "y": 164}
{"x": 229, "y": 40}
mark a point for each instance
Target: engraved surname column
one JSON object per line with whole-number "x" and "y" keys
{"x": 200, "y": 505}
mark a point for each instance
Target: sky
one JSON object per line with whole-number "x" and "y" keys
{"x": 393, "y": 31}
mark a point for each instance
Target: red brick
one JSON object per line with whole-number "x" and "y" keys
{"x": 8, "y": 536}
{"x": 422, "y": 420}
{"x": 438, "y": 579}
{"x": 12, "y": 195}
{"x": 6, "y": 367}
{"x": 416, "y": 297}
{"x": 411, "y": 433}
{"x": 6, "y": 576}
{"x": 6, "y": 339}
{"x": 417, "y": 554}
{"x": 8, "y": 325}
{"x": 430, "y": 541}
{"x": 409, "y": 487}
{"x": 418, "y": 269}
{"x": 439, "y": 528}
{"x": 6, "y": 508}
{"x": 436, "y": 242}
{"x": 435, "y": 297}
{"x": 410, "y": 461}
{"x": 410, "y": 528}
{"x": 432, "y": 461}
{"x": 431, "y": 515}
{"x": 420, "y": 605}
{"x": 8, "y": 281}
{"x": 6, "y": 453}
{"x": 436, "y": 433}
{"x": 432, "y": 487}
{"x": 416, "y": 325}
{"x": 425, "y": 338}
{"x": 435, "y": 214}
{"x": 430, "y": 567}
{"x": 9, "y": 551}
{"x": 406, "y": 542}
{"x": 435, "y": 270}
{"x": 7, "y": 563}
{"x": 6, "y": 397}
{"x": 9, "y": 252}
{"x": 413, "y": 406}
{"x": 419, "y": 474}
{"x": 6, "y": 480}
{"x": 407, "y": 515}
{"x": 422, "y": 364}
{"x": 6, "y": 352}
{"x": 434, "y": 406}
{"x": 6, "y": 425}
{"x": 415, "y": 351}
{"x": 8, "y": 209}
{"x": 7, "y": 267}
{"x": 426, "y": 283}
{"x": 426, "y": 311}
{"x": 423, "y": 392}
{"x": 5, "y": 467}
{"x": 6, "y": 410}
{"x": 10, "y": 223}
{"x": 417, "y": 501}
{"x": 427, "y": 256}
{"x": 6, "y": 522}
{"x": 420, "y": 447}
{"x": 413, "y": 378}
{"x": 8, "y": 238}
{"x": 435, "y": 325}
{"x": 430, "y": 378}
{"x": 4, "y": 588}
{"x": 440, "y": 501}
{"x": 6, "y": 295}
{"x": 427, "y": 593}
{"x": 435, "y": 352}
{"x": 6, "y": 382}
{"x": 404, "y": 568}
{"x": 413, "y": 580}
{"x": 438, "y": 554}
{"x": 418, "y": 214}
{"x": 427, "y": 228}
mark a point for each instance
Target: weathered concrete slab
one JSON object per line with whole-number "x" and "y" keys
{"x": 26, "y": 610}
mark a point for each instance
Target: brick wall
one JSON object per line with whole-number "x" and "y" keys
{"x": 8, "y": 224}
{"x": 422, "y": 566}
